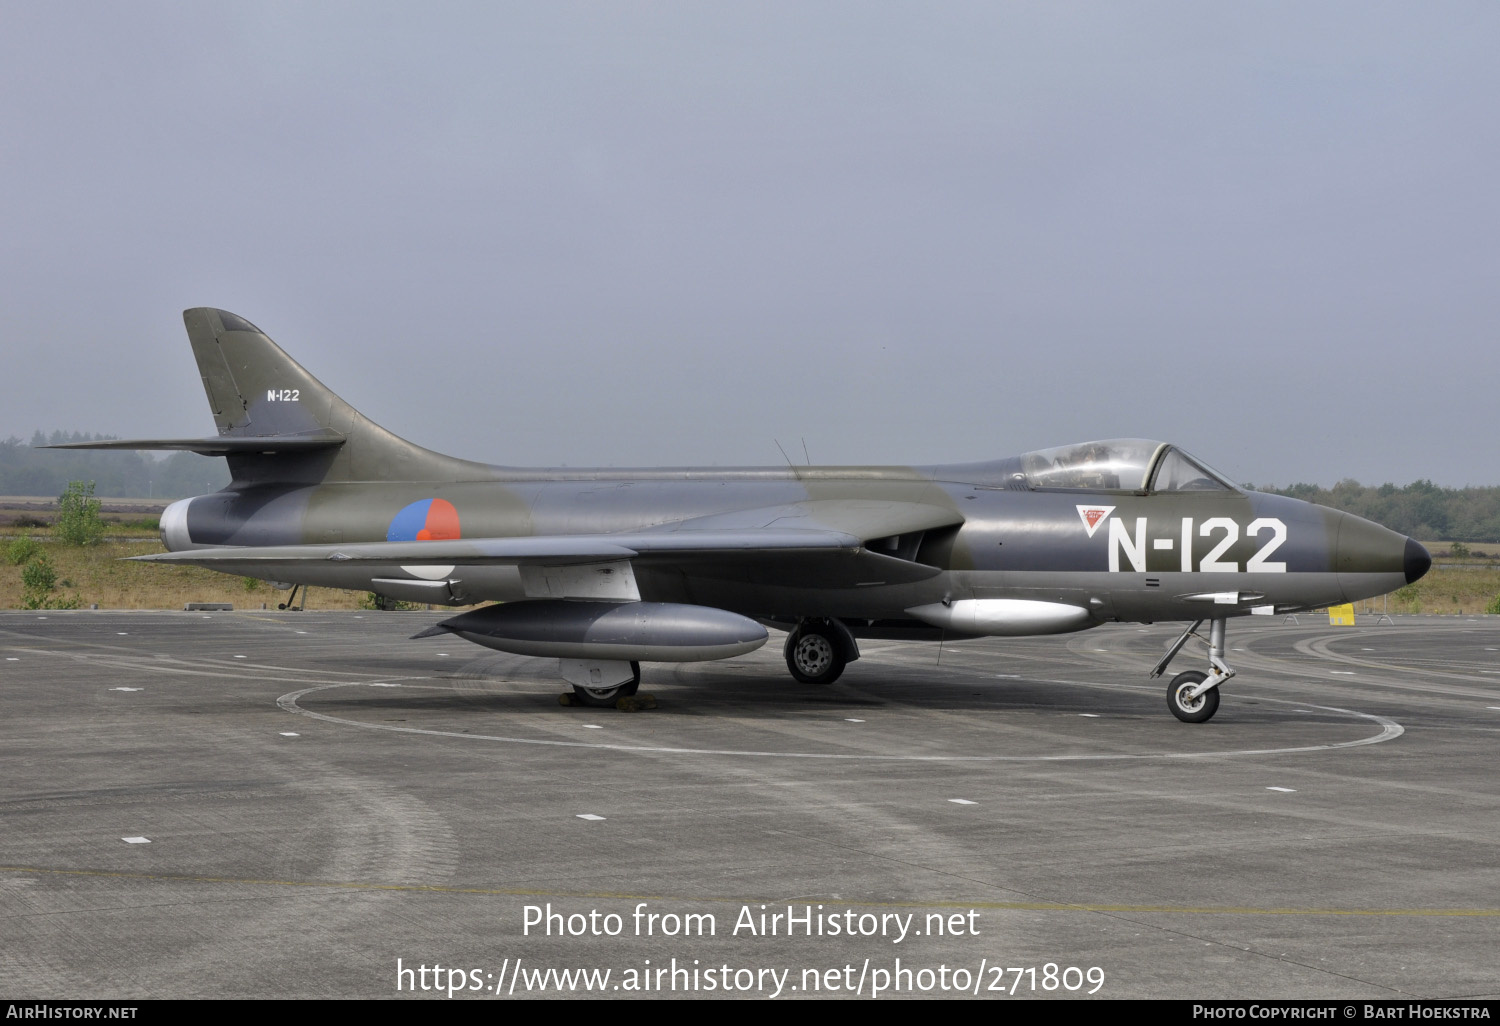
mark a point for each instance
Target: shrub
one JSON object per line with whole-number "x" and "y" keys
{"x": 38, "y": 578}
{"x": 1407, "y": 599}
{"x": 1494, "y": 606}
{"x": 78, "y": 520}
{"x": 371, "y": 600}
{"x": 22, "y": 549}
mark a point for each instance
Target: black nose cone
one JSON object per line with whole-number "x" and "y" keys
{"x": 1417, "y": 561}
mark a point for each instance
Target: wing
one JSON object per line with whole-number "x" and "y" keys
{"x": 814, "y": 543}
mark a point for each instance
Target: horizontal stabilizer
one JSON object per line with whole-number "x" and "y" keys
{"x": 223, "y": 445}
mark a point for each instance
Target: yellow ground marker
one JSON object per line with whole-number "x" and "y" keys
{"x": 1341, "y": 616}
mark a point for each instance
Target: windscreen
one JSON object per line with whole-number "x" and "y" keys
{"x": 1179, "y": 472}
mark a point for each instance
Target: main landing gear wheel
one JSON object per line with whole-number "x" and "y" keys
{"x": 605, "y": 698}
{"x": 1191, "y": 710}
{"x": 814, "y": 654}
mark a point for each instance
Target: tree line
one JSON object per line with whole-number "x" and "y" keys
{"x": 26, "y": 469}
{"x": 1420, "y": 510}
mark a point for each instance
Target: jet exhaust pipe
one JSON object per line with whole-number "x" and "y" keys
{"x": 665, "y": 632}
{"x": 174, "y": 526}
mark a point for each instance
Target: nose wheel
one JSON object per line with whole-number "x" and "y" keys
{"x": 1189, "y": 704}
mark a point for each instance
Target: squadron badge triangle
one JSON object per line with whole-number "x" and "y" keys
{"x": 1093, "y": 516}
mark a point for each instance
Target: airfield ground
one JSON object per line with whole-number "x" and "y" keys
{"x": 283, "y": 804}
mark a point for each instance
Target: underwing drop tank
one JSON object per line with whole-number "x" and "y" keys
{"x": 666, "y": 632}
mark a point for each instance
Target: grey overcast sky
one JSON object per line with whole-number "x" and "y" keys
{"x": 669, "y": 233}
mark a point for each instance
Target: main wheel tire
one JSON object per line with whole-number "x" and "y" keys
{"x": 1194, "y": 710}
{"x": 605, "y": 698}
{"x": 814, "y": 655}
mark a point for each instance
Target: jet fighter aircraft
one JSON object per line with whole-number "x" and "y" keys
{"x": 605, "y": 569}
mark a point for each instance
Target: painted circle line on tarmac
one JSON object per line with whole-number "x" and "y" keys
{"x": 1389, "y": 730}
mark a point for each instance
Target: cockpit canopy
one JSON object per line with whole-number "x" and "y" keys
{"x": 1120, "y": 464}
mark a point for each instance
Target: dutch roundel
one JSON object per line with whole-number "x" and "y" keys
{"x": 426, "y": 520}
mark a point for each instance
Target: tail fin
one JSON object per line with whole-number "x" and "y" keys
{"x": 259, "y": 393}
{"x": 280, "y": 425}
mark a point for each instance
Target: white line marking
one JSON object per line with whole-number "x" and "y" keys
{"x": 1009, "y": 676}
{"x": 592, "y": 726}
{"x": 1283, "y": 790}
{"x": 1092, "y": 716}
{"x": 1492, "y": 707}
{"x": 301, "y": 632}
{"x": 851, "y": 719}
{"x": 288, "y": 733}
{"x": 962, "y": 801}
{"x": 12, "y": 659}
{"x": 239, "y": 657}
{"x": 1349, "y": 673}
{"x": 377, "y": 685}
{"x": 136, "y": 840}
{"x": 126, "y": 689}
{"x": 589, "y": 816}
{"x": 122, "y": 633}
{"x": 1389, "y": 731}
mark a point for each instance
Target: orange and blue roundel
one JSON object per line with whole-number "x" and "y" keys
{"x": 427, "y": 520}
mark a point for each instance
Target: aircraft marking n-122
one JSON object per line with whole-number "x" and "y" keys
{"x": 604, "y": 569}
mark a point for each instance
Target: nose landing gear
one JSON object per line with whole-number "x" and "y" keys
{"x": 1193, "y": 696}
